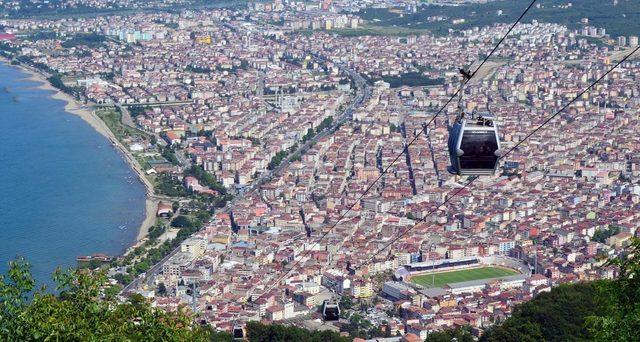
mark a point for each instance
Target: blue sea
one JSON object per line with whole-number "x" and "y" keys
{"x": 64, "y": 189}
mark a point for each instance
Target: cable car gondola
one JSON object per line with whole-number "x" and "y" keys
{"x": 330, "y": 311}
{"x": 238, "y": 332}
{"x": 474, "y": 146}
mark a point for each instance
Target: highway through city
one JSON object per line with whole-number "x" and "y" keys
{"x": 362, "y": 93}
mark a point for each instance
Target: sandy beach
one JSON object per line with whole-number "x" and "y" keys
{"x": 88, "y": 115}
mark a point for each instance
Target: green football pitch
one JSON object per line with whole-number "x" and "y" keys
{"x": 444, "y": 278}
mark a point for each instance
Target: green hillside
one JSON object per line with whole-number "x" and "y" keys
{"x": 559, "y": 315}
{"x": 622, "y": 18}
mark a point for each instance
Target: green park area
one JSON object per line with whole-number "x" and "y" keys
{"x": 444, "y": 278}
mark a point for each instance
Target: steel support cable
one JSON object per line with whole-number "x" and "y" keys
{"x": 508, "y": 152}
{"x": 405, "y": 149}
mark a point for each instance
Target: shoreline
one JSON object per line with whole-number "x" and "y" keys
{"x": 74, "y": 107}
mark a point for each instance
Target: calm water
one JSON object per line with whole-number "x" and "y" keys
{"x": 64, "y": 190}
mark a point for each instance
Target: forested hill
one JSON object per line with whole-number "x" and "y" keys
{"x": 560, "y": 315}
{"x": 621, "y": 17}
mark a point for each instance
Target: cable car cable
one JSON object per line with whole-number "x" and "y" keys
{"x": 406, "y": 148}
{"x": 502, "y": 157}
{"x": 503, "y": 37}
{"x": 570, "y": 102}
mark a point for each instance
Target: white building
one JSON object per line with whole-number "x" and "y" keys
{"x": 398, "y": 290}
{"x": 196, "y": 246}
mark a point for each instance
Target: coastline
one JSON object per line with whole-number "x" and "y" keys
{"x": 85, "y": 113}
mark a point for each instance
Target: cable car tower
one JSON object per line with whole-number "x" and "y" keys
{"x": 474, "y": 145}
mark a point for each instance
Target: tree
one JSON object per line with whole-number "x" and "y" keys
{"x": 310, "y": 134}
{"x": 81, "y": 311}
{"x": 559, "y": 315}
{"x": 135, "y": 111}
{"x": 162, "y": 289}
{"x": 346, "y": 303}
{"x": 205, "y": 178}
{"x": 462, "y": 334}
{"x": 602, "y": 235}
{"x": 112, "y": 291}
{"x": 258, "y": 332}
{"x": 169, "y": 186}
{"x": 361, "y": 327}
{"x": 324, "y": 124}
{"x": 91, "y": 40}
{"x": 277, "y": 159}
{"x": 93, "y": 264}
{"x": 181, "y": 222}
{"x": 123, "y": 279}
{"x": 621, "y": 319}
{"x": 412, "y": 79}
{"x": 169, "y": 155}
{"x": 156, "y": 231}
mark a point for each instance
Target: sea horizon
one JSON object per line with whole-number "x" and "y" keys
{"x": 66, "y": 190}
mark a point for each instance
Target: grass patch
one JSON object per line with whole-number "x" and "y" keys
{"x": 452, "y": 277}
{"x": 112, "y": 118}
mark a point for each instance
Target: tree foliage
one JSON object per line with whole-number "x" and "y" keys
{"x": 412, "y": 79}
{"x": 156, "y": 231}
{"x": 167, "y": 185}
{"x": 601, "y": 310}
{"x": 558, "y": 315}
{"x": 602, "y": 235}
{"x": 181, "y": 222}
{"x": 459, "y": 334}
{"x": 362, "y": 327}
{"x": 258, "y": 332}
{"x": 346, "y": 303}
{"x": 136, "y": 111}
{"x": 280, "y": 156}
{"x": 600, "y": 14}
{"x": 170, "y": 155}
{"x": 277, "y": 159}
{"x": 206, "y": 178}
{"x": 621, "y": 319}
{"x": 310, "y": 134}
{"x": 92, "y": 40}
{"x": 324, "y": 124}
{"x": 81, "y": 312}
{"x": 56, "y": 81}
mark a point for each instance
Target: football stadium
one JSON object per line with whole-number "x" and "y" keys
{"x": 448, "y": 272}
{"x": 440, "y": 279}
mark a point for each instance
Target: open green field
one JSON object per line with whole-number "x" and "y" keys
{"x": 444, "y": 278}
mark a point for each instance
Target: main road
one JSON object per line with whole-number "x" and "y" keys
{"x": 362, "y": 93}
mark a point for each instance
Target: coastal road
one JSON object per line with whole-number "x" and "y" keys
{"x": 148, "y": 276}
